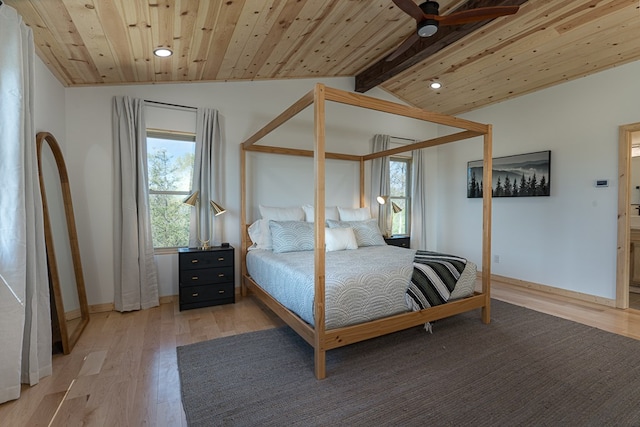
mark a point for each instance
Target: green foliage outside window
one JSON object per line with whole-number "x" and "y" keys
{"x": 400, "y": 182}
{"x": 170, "y": 167}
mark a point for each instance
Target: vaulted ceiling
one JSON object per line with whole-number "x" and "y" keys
{"x": 104, "y": 42}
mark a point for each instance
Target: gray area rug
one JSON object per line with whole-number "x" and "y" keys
{"x": 525, "y": 368}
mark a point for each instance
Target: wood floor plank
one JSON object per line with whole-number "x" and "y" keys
{"x": 124, "y": 367}
{"x": 93, "y": 363}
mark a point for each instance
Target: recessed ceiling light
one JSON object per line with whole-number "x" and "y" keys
{"x": 162, "y": 52}
{"x": 435, "y": 85}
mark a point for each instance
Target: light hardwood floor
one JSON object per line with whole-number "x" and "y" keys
{"x": 123, "y": 371}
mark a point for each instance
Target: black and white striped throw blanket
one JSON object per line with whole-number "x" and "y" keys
{"x": 434, "y": 277}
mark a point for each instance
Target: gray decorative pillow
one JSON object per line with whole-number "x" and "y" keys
{"x": 367, "y": 232}
{"x": 291, "y": 236}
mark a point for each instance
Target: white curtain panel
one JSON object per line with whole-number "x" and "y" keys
{"x": 25, "y": 318}
{"x": 136, "y": 281}
{"x": 208, "y": 176}
{"x": 380, "y": 183}
{"x": 418, "y": 200}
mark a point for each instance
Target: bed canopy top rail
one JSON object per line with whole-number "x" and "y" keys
{"x": 390, "y": 152}
{"x": 473, "y": 129}
{"x": 318, "y": 336}
{"x": 364, "y": 101}
{"x": 300, "y": 105}
{"x": 423, "y": 144}
{"x": 300, "y": 153}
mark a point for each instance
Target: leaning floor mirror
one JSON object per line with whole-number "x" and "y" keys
{"x": 69, "y": 308}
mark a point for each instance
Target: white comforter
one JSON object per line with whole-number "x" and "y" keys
{"x": 361, "y": 285}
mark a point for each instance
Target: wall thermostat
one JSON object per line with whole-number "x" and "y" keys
{"x": 602, "y": 183}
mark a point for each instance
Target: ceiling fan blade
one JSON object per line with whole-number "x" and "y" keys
{"x": 473, "y": 15}
{"x": 410, "y": 8}
{"x": 409, "y": 41}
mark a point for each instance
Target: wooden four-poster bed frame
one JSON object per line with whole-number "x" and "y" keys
{"x": 319, "y": 337}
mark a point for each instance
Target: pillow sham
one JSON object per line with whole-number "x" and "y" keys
{"x": 339, "y": 239}
{"x": 357, "y": 214}
{"x": 330, "y": 212}
{"x": 367, "y": 232}
{"x": 291, "y": 236}
{"x": 282, "y": 214}
{"x": 260, "y": 235}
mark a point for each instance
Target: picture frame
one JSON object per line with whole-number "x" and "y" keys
{"x": 521, "y": 175}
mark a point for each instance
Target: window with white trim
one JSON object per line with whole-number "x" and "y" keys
{"x": 400, "y": 194}
{"x": 170, "y": 160}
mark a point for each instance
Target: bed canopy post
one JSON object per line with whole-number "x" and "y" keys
{"x": 243, "y": 218}
{"x": 486, "y": 223}
{"x": 362, "y": 199}
{"x": 319, "y": 201}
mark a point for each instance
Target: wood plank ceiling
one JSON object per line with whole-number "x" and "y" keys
{"x": 98, "y": 42}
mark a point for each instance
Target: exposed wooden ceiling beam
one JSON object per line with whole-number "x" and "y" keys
{"x": 384, "y": 70}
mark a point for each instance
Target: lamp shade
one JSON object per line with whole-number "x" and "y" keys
{"x": 191, "y": 199}
{"x": 395, "y": 208}
{"x": 217, "y": 208}
{"x": 382, "y": 199}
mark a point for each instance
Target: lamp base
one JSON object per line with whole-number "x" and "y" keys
{"x": 204, "y": 244}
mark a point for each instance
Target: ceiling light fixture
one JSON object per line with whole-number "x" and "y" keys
{"x": 162, "y": 52}
{"x": 435, "y": 85}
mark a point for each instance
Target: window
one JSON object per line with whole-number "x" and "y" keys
{"x": 170, "y": 158}
{"x": 400, "y": 181}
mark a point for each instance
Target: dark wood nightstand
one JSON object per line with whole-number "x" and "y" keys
{"x": 402, "y": 241}
{"x": 206, "y": 277}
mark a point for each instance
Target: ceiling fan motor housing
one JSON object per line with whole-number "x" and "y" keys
{"x": 428, "y": 27}
{"x": 430, "y": 7}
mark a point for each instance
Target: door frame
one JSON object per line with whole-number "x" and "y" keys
{"x": 624, "y": 207}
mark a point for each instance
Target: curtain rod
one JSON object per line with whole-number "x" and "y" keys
{"x": 165, "y": 103}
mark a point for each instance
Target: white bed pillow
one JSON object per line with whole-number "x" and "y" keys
{"x": 339, "y": 239}
{"x": 260, "y": 235}
{"x": 354, "y": 214}
{"x": 292, "y": 236}
{"x": 367, "y": 232}
{"x": 282, "y": 214}
{"x": 330, "y": 212}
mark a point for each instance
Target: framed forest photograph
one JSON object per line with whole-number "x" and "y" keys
{"x": 522, "y": 175}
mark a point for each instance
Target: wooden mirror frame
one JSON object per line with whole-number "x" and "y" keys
{"x": 59, "y": 316}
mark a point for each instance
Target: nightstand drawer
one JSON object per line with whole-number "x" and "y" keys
{"x": 206, "y": 276}
{"x": 195, "y": 294}
{"x": 206, "y": 259}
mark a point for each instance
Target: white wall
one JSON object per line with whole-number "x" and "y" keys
{"x": 244, "y": 108}
{"x": 49, "y": 99}
{"x": 567, "y": 240}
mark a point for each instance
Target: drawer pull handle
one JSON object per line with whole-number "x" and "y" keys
{"x": 194, "y": 277}
{"x": 195, "y": 294}
{"x": 194, "y": 261}
{"x": 221, "y": 275}
{"x": 221, "y": 259}
{"x": 221, "y": 292}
